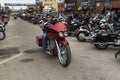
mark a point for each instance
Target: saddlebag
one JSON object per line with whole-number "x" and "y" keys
{"x": 39, "y": 40}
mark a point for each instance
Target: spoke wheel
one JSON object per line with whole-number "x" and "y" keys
{"x": 65, "y": 55}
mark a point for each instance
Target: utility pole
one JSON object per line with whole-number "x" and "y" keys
{"x": 94, "y": 6}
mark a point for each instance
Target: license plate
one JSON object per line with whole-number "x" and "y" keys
{"x": 104, "y": 34}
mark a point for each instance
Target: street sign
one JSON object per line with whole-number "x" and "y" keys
{"x": 37, "y": 1}
{"x": 107, "y": 1}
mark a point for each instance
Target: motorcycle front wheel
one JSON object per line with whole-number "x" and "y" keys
{"x": 65, "y": 55}
{"x": 101, "y": 46}
{"x": 2, "y": 35}
{"x": 81, "y": 36}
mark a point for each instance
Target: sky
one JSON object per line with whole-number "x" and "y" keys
{"x": 17, "y": 1}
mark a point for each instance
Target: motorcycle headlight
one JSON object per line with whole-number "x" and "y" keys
{"x": 61, "y": 34}
{"x": 65, "y": 33}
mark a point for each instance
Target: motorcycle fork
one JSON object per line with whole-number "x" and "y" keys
{"x": 64, "y": 42}
{"x": 50, "y": 45}
{"x": 58, "y": 48}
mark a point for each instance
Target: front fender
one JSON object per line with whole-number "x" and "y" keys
{"x": 65, "y": 42}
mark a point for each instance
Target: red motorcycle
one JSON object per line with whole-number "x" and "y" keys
{"x": 57, "y": 44}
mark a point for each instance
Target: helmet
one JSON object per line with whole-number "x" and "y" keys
{"x": 54, "y": 20}
{"x": 48, "y": 15}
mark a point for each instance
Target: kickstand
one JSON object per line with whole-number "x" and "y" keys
{"x": 116, "y": 54}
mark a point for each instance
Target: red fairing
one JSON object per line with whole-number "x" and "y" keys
{"x": 59, "y": 27}
{"x": 55, "y": 29}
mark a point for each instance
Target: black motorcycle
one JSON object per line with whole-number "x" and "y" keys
{"x": 106, "y": 37}
{"x": 73, "y": 26}
{"x": 87, "y": 31}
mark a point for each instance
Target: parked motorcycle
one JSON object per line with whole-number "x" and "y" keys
{"x": 87, "y": 31}
{"x": 15, "y": 16}
{"x": 5, "y": 21}
{"x": 57, "y": 44}
{"x": 73, "y": 26}
{"x": 107, "y": 36}
{"x": 2, "y": 31}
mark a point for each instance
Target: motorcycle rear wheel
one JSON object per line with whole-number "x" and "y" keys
{"x": 65, "y": 56}
{"x": 2, "y": 35}
{"x": 101, "y": 46}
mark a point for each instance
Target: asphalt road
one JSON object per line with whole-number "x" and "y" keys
{"x": 22, "y": 59}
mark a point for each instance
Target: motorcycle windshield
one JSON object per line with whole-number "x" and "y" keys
{"x": 58, "y": 27}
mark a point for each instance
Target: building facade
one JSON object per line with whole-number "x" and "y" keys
{"x": 50, "y": 5}
{"x": 109, "y": 4}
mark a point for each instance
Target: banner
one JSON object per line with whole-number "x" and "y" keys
{"x": 17, "y": 4}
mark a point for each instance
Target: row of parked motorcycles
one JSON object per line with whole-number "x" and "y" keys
{"x": 31, "y": 18}
{"x": 99, "y": 30}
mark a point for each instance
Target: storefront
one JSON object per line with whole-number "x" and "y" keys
{"x": 50, "y": 6}
{"x": 111, "y": 4}
{"x": 61, "y": 5}
{"x": 70, "y": 5}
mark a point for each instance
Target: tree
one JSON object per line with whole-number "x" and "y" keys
{"x": 7, "y": 8}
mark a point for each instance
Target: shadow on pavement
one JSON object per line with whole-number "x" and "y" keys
{"x": 8, "y": 52}
{"x": 32, "y": 51}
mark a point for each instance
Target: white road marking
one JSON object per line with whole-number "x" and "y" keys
{"x": 12, "y": 23}
{"x": 11, "y": 30}
{"x": 11, "y": 58}
{"x": 11, "y": 34}
{"x": 12, "y": 37}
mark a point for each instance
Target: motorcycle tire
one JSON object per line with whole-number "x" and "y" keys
{"x": 67, "y": 54}
{"x": 2, "y": 35}
{"x": 101, "y": 46}
{"x": 4, "y": 28}
{"x": 80, "y": 38}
